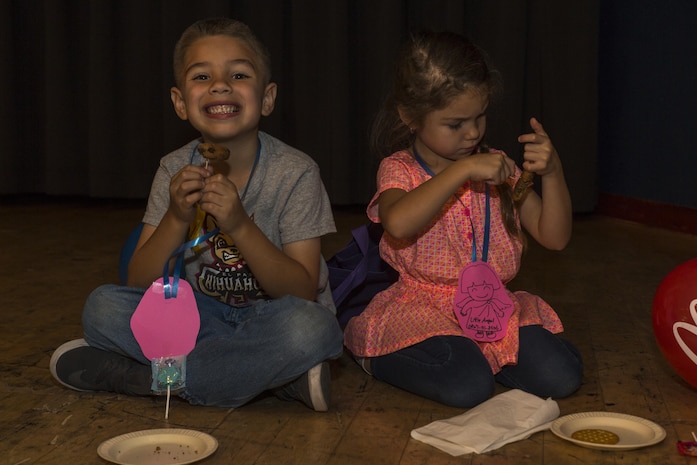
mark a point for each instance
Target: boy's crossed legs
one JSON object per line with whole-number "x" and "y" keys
{"x": 280, "y": 345}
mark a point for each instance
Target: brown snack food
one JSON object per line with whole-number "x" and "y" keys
{"x": 213, "y": 152}
{"x": 596, "y": 436}
{"x": 521, "y": 187}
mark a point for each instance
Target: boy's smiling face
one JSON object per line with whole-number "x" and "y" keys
{"x": 224, "y": 91}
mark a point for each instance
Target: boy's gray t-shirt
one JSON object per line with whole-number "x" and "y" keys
{"x": 286, "y": 199}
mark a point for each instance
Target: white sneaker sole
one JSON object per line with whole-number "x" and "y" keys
{"x": 314, "y": 379}
{"x": 58, "y": 353}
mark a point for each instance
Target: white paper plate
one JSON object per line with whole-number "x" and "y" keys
{"x": 634, "y": 432}
{"x": 158, "y": 446}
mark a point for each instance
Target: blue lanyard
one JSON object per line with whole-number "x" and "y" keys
{"x": 487, "y": 214}
{"x": 171, "y": 291}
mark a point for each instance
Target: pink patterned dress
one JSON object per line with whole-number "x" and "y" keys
{"x": 420, "y": 304}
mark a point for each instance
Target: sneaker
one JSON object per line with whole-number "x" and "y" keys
{"x": 364, "y": 363}
{"x": 313, "y": 388}
{"x": 78, "y": 366}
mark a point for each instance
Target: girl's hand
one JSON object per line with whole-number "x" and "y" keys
{"x": 221, "y": 199}
{"x": 540, "y": 156}
{"x": 548, "y": 219}
{"x": 492, "y": 168}
{"x": 185, "y": 190}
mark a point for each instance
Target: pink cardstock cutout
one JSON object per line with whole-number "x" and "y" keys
{"x": 482, "y": 305}
{"x": 166, "y": 327}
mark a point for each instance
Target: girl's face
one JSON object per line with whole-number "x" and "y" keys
{"x": 455, "y": 131}
{"x": 223, "y": 94}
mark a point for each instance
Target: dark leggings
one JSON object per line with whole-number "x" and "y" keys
{"x": 452, "y": 369}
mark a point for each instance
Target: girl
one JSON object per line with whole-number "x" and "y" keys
{"x": 445, "y": 201}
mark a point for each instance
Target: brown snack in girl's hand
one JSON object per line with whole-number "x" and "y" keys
{"x": 521, "y": 187}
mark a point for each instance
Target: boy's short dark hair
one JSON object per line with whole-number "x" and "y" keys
{"x": 225, "y": 27}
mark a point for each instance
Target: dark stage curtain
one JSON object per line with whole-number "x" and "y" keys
{"x": 86, "y": 107}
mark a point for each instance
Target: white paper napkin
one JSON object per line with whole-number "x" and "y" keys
{"x": 508, "y": 417}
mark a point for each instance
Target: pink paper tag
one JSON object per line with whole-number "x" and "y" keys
{"x": 482, "y": 305}
{"x": 166, "y": 327}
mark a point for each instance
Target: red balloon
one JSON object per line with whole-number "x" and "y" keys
{"x": 674, "y": 316}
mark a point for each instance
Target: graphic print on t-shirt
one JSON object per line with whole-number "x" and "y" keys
{"x": 226, "y": 276}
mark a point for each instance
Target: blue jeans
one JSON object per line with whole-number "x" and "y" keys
{"x": 240, "y": 351}
{"x": 452, "y": 369}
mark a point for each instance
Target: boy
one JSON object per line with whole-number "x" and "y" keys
{"x": 267, "y": 319}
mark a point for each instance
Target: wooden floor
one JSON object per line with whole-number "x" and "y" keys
{"x": 54, "y": 253}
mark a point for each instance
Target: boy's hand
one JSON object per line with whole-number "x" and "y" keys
{"x": 185, "y": 190}
{"x": 221, "y": 199}
{"x": 540, "y": 156}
